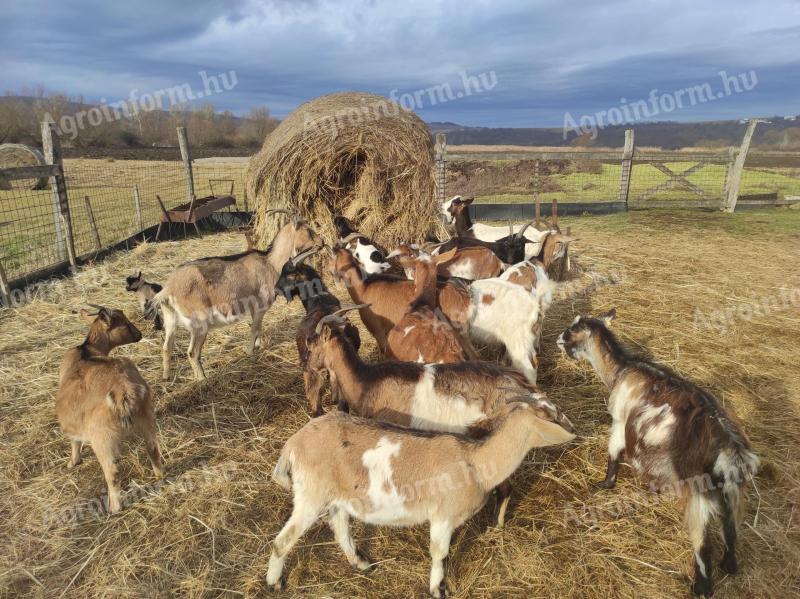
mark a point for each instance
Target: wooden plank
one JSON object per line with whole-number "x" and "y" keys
{"x": 29, "y": 172}
{"x": 5, "y": 290}
{"x": 627, "y": 167}
{"x": 525, "y": 212}
{"x": 605, "y": 156}
{"x": 92, "y": 223}
{"x": 738, "y": 166}
{"x": 65, "y": 243}
{"x": 137, "y": 201}
{"x": 183, "y": 142}
{"x": 441, "y": 167}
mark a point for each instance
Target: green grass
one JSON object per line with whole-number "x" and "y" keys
{"x": 589, "y": 187}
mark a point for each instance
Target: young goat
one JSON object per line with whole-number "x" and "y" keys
{"x": 424, "y": 334}
{"x": 300, "y": 280}
{"x": 387, "y": 475}
{"x": 145, "y": 292}
{"x": 468, "y": 263}
{"x": 220, "y": 291}
{"x": 103, "y": 400}
{"x": 672, "y": 432}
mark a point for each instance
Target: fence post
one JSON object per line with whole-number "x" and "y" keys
{"x": 735, "y": 176}
{"x": 137, "y": 200}
{"x": 65, "y": 244}
{"x": 92, "y": 223}
{"x": 441, "y": 167}
{"x": 183, "y": 142}
{"x": 5, "y": 290}
{"x": 627, "y": 168}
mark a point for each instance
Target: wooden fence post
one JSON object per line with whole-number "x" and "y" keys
{"x": 441, "y": 167}
{"x": 627, "y": 167}
{"x": 65, "y": 244}
{"x": 92, "y": 223}
{"x": 137, "y": 201}
{"x": 5, "y": 290}
{"x": 735, "y": 175}
{"x": 183, "y": 142}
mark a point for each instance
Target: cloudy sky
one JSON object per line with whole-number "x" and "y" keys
{"x": 539, "y": 59}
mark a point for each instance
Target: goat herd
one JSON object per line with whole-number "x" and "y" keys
{"x": 437, "y": 430}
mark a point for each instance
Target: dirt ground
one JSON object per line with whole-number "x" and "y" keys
{"x": 705, "y": 293}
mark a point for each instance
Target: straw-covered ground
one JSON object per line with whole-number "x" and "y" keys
{"x": 207, "y": 530}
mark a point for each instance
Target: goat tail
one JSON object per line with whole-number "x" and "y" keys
{"x": 125, "y": 402}
{"x": 545, "y": 288}
{"x": 281, "y": 474}
{"x": 735, "y": 465}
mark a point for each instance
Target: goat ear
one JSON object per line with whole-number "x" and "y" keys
{"x": 326, "y": 334}
{"x": 607, "y": 317}
{"x": 446, "y": 257}
{"x": 468, "y": 201}
{"x": 547, "y": 433}
{"x": 106, "y": 316}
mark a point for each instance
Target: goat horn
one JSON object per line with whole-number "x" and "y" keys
{"x": 277, "y": 211}
{"x": 351, "y": 237}
{"x": 521, "y": 232}
{"x": 303, "y": 255}
{"x": 336, "y": 316}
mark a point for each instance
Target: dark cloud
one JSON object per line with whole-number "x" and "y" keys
{"x": 548, "y": 57}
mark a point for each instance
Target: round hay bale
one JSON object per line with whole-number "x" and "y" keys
{"x": 353, "y": 154}
{"x": 12, "y": 155}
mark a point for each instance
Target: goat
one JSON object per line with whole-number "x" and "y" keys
{"x": 369, "y": 255}
{"x": 388, "y": 475}
{"x": 545, "y": 246}
{"x": 300, "y": 280}
{"x": 220, "y": 291}
{"x": 490, "y": 310}
{"x": 387, "y": 297}
{"x": 103, "y": 400}
{"x": 509, "y": 249}
{"x": 424, "y": 334}
{"x": 145, "y": 292}
{"x": 468, "y": 263}
{"x": 673, "y": 432}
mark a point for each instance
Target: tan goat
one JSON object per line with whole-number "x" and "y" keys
{"x": 220, "y": 291}
{"x": 387, "y": 475}
{"x": 103, "y": 400}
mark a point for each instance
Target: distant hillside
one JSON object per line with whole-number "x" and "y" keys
{"x": 780, "y": 133}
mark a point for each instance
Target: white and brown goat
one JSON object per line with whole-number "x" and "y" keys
{"x": 424, "y": 334}
{"x": 145, "y": 292}
{"x": 381, "y": 474}
{"x": 103, "y": 400}
{"x": 220, "y": 291}
{"x": 673, "y": 433}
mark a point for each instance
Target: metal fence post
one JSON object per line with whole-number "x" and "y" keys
{"x": 65, "y": 244}
{"x": 735, "y": 176}
{"x": 183, "y": 142}
{"x": 137, "y": 201}
{"x": 441, "y": 167}
{"x": 627, "y": 168}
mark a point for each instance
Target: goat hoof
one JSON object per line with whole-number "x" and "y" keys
{"x": 71, "y": 464}
{"x": 278, "y": 586}
{"x": 441, "y": 592}
{"x": 603, "y": 484}
{"x": 362, "y": 562}
{"x": 728, "y": 564}
{"x": 702, "y": 587}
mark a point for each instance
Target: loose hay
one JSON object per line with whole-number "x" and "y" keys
{"x": 352, "y": 154}
{"x": 208, "y": 533}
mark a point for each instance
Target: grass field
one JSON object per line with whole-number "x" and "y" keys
{"x": 682, "y": 285}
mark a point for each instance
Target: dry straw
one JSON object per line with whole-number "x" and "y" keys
{"x": 353, "y": 154}
{"x": 12, "y": 155}
{"x": 562, "y": 537}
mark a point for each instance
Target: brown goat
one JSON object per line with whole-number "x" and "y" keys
{"x": 672, "y": 432}
{"x": 300, "y": 280}
{"x": 470, "y": 263}
{"x": 389, "y": 297}
{"x": 424, "y": 334}
{"x": 103, "y": 400}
